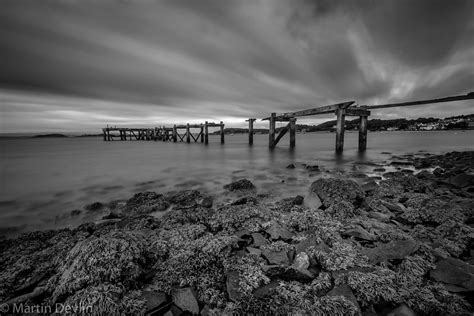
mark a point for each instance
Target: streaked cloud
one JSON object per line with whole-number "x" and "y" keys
{"x": 78, "y": 65}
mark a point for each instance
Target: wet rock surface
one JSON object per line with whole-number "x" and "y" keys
{"x": 401, "y": 246}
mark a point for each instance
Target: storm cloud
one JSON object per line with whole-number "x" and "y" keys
{"x": 78, "y": 65}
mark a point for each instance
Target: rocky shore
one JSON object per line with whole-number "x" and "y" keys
{"x": 400, "y": 245}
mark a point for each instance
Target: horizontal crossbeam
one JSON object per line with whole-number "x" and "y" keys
{"x": 314, "y": 111}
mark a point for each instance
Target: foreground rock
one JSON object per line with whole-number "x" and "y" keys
{"x": 399, "y": 248}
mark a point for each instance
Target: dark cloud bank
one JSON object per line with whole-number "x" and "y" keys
{"x": 77, "y": 65}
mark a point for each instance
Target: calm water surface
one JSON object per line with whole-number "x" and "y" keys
{"x": 42, "y": 180}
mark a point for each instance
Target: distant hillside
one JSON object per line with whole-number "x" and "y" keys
{"x": 49, "y": 136}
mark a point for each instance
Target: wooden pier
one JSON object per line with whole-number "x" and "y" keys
{"x": 165, "y": 134}
{"x": 187, "y": 133}
{"x": 341, "y": 110}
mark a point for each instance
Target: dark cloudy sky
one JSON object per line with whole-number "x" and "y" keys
{"x": 70, "y": 65}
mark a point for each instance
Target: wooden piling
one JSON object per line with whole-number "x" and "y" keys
{"x": 105, "y": 135}
{"x": 222, "y": 132}
{"x": 175, "y": 136}
{"x": 188, "y": 136}
{"x": 206, "y": 133}
{"x": 362, "y": 133}
{"x": 271, "y": 130}
{"x": 202, "y": 133}
{"x": 340, "y": 130}
{"x": 292, "y": 132}
{"x": 251, "y": 120}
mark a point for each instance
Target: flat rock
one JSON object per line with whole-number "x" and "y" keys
{"x": 276, "y": 257}
{"x": 258, "y": 240}
{"x": 359, "y": 233}
{"x": 397, "y": 249}
{"x": 254, "y": 251}
{"x": 344, "y": 290}
{"x": 276, "y": 231}
{"x": 382, "y": 217}
{"x": 185, "y": 299}
{"x": 240, "y": 185}
{"x": 455, "y": 272}
{"x": 402, "y": 310}
{"x": 155, "y": 300}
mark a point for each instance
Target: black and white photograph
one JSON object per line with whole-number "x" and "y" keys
{"x": 237, "y": 157}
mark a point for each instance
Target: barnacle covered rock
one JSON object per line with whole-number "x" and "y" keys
{"x": 118, "y": 257}
{"x": 145, "y": 203}
{"x": 332, "y": 190}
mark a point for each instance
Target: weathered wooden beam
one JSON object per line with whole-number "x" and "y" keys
{"x": 314, "y": 111}
{"x": 356, "y": 112}
{"x": 251, "y": 120}
{"x": 222, "y": 132}
{"x": 175, "y": 138}
{"x": 292, "y": 125}
{"x": 202, "y": 133}
{"x": 188, "y": 138}
{"x": 340, "y": 130}
{"x": 280, "y": 135}
{"x": 363, "y": 133}
{"x": 206, "y": 133}
{"x": 468, "y": 96}
{"x": 271, "y": 130}
{"x": 105, "y": 135}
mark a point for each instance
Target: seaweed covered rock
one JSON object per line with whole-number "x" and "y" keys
{"x": 331, "y": 191}
{"x": 118, "y": 258}
{"x": 240, "y": 185}
{"x": 185, "y": 198}
{"x": 32, "y": 259}
{"x": 105, "y": 299}
{"x": 145, "y": 203}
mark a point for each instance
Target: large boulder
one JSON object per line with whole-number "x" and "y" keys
{"x": 331, "y": 191}
{"x": 457, "y": 275}
{"x": 240, "y": 185}
{"x": 145, "y": 203}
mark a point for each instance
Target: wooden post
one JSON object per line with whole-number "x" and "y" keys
{"x": 271, "y": 130}
{"x": 202, "y": 133}
{"x": 292, "y": 132}
{"x": 340, "y": 130}
{"x": 206, "y": 133}
{"x": 108, "y": 135}
{"x": 105, "y": 135}
{"x": 175, "y": 136}
{"x": 188, "y": 136}
{"x": 222, "y": 132}
{"x": 362, "y": 133}
{"x": 251, "y": 120}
